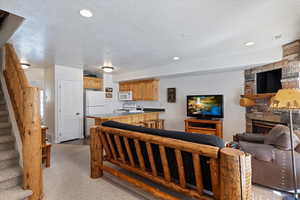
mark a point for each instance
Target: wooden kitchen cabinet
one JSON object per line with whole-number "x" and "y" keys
{"x": 136, "y": 91}
{"x": 93, "y": 83}
{"x": 142, "y": 90}
{"x": 151, "y": 90}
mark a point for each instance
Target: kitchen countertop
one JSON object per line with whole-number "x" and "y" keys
{"x": 110, "y": 115}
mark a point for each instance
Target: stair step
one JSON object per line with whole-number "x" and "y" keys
{"x": 4, "y": 118}
{"x": 5, "y": 125}
{"x": 5, "y": 131}
{"x": 11, "y": 182}
{"x": 4, "y": 113}
{"x": 6, "y": 139}
{"x": 10, "y": 177}
{"x": 7, "y": 146}
{"x": 8, "y": 155}
{"x": 2, "y": 106}
{"x": 16, "y": 193}
{"x": 9, "y": 163}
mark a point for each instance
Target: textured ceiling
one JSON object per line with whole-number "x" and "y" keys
{"x": 141, "y": 34}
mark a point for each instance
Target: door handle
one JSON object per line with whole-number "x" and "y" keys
{"x": 77, "y": 113}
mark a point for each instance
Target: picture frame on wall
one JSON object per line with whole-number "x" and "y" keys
{"x": 171, "y": 95}
{"x": 108, "y": 89}
{"x": 108, "y": 95}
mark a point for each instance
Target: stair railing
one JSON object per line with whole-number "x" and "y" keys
{"x": 26, "y": 105}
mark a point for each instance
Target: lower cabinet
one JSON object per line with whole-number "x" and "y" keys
{"x": 209, "y": 127}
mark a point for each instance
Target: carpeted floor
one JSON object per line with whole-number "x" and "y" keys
{"x": 68, "y": 179}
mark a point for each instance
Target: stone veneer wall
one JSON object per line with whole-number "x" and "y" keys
{"x": 290, "y": 79}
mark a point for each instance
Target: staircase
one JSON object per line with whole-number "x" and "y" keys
{"x": 10, "y": 171}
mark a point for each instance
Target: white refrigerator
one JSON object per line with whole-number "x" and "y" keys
{"x": 95, "y": 104}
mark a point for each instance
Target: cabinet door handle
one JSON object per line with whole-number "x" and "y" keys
{"x": 77, "y": 113}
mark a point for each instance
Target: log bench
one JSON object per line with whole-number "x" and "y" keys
{"x": 170, "y": 159}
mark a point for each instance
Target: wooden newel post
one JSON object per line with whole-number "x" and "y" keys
{"x": 235, "y": 172}
{"x": 32, "y": 144}
{"x": 96, "y": 148}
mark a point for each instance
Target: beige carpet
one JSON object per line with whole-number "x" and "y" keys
{"x": 68, "y": 179}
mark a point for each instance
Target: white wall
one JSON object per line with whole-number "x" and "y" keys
{"x": 113, "y": 102}
{"x": 9, "y": 27}
{"x": 50, "y": 102}
{"x": 36, "y": 77}
{"x": 230, "y": 84}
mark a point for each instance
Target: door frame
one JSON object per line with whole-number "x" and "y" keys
{"x": 57, "y": 111}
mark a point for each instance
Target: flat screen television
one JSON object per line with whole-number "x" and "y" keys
{"x": 269, "y": 81}
{"x": 205, "y": 106}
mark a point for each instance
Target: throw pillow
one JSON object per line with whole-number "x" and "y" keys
{"x": 275, "y": 133}
{"x": 279, "y": 137}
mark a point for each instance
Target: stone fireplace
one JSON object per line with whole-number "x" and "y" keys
{"x": 263, "y": 126}
{"x": 259, "y": 118}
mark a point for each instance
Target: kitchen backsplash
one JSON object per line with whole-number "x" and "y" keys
{"x": 147, "y": 104}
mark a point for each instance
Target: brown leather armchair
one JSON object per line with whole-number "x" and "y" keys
{"x": 271, "y": 157}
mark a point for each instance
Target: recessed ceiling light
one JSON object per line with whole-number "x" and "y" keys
{"x": 25, "y": 65}
{"x": 248, "y": 44}
{"x": 107, "y": 69}
{"x": 86, "y": 13}
{"x": 176, "y": 58}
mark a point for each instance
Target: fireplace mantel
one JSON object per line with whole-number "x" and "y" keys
{"x": 268, "y": 117}
{"x": 259, "y": 96}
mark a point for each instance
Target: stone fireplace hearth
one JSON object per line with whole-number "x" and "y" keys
{"x": 259, "y": 118}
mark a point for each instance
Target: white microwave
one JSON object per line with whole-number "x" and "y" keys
{"x": 125, "y": 96}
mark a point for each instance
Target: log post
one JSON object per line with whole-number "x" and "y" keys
{"x": 32, "y": 144}
{"x": 96, "y": 149}
{"x": 235, "y": 175}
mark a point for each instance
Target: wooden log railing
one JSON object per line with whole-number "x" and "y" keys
{"x": 26, "y": 105}
{"x": 230, "y": 169}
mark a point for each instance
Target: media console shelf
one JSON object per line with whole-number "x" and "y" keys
{"x": 210, "y": 127}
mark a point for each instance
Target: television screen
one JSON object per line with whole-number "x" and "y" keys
{"x": 205, "y": 106}
{"x": 269, "y": 81}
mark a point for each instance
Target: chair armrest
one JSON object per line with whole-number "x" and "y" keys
{"x": 251, "y": 137}
{"x": 262, "y": 152}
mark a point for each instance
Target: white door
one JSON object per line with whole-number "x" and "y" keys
{"x": 70, "y": 110}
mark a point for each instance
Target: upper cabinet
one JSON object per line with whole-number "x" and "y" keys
{"x": 142, "y": 90}
{"x": 93, "y": 83}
